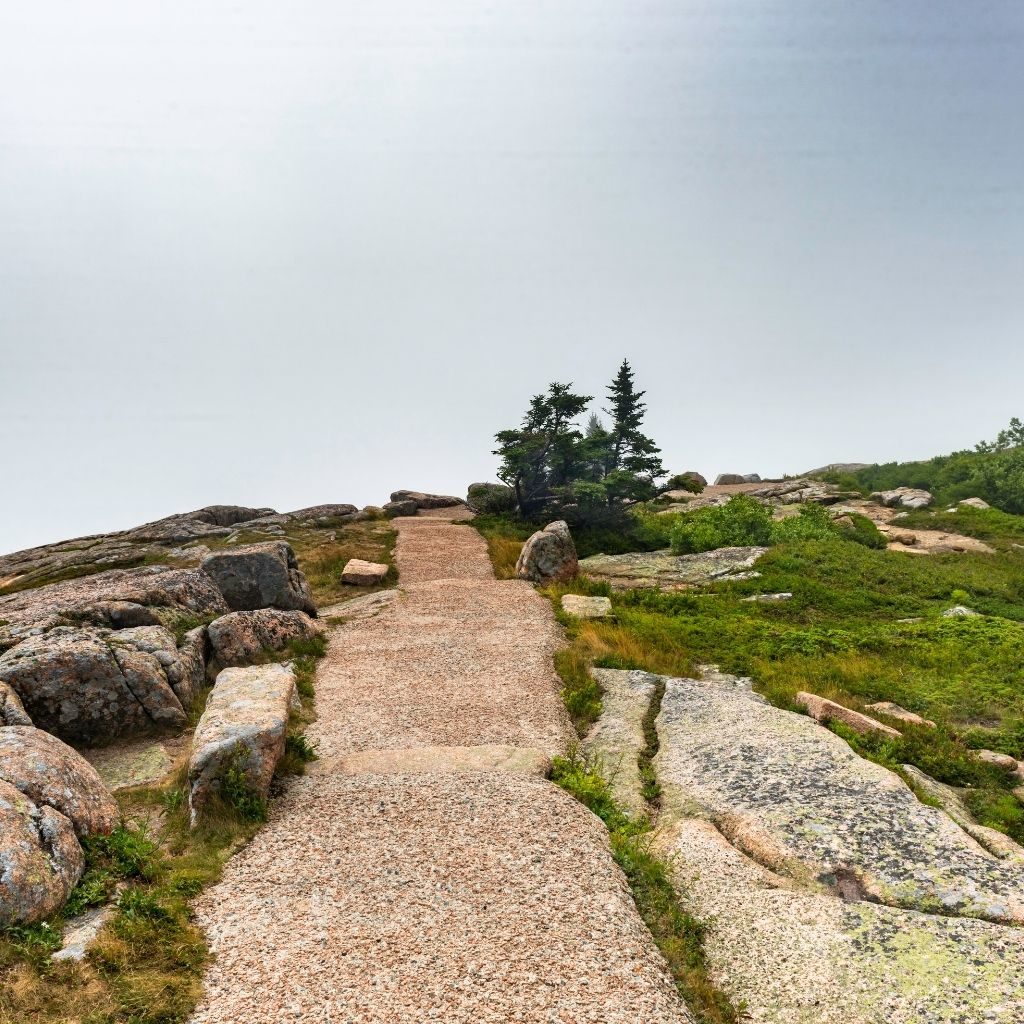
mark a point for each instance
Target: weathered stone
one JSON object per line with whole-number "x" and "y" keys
{"x": 190, "y": 677}
{"x": 617, "y": 737}
{"x": 487, "y": 497}
{"x": 427, "y": 500}
{"x": 12, "y": 711}
{"x": 393, "y": 509}
{"x": 90, "y": 685}
{"x": 671, "y": 572}
{"x": 241, "y": 637}
{"x": 322, "y": 515}
{"x": 960, "y": 611}
{"x": 997, "y": 760}
{"x": 125, "y": 764}
{"x": 41, "y": 860}
{"x": 81, "y": 932}
{"x": 243, "y": 726}
{"x": 903, "y": 497}
{"x": 751, "y": 478}
{"x": 768, "y": 598}
{"x": 821, "y": 709}
{"x": 978, "y": 503}
{"x": 52, "y": 774}
{"x": 724, "y": 479}
{"x": 799, "y": 801}
{"x": 886, "y": 707}
{"x": 260, "y": 576}
{"x": 366, "y": 607}
{"x": 548, "y": 555}
{"x": 360, "y": 573}
{"x": 586, "y": 607}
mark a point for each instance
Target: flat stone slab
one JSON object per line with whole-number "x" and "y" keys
{"x": 797, "y": 799}
{"x": 246, "y": 718}
{"x": 81, "y": 932}
{"x": 485, "y": 758}
{"x": 617, "y": 737}
{"x": 587, "y": 607}
{"x": 126, "y": 764}
{"x": 365, "y": 607}
{"x": 360, "y": 573}
{"x": 666, "y": 571}
{"x": 821, "y": 709}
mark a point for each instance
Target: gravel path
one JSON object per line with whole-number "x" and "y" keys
{"x": 428, "y": 889}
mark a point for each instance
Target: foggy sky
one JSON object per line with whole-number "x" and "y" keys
{"x": 285, "y": 254}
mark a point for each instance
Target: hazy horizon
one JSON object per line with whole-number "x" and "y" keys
{"x": 259, "y": 256}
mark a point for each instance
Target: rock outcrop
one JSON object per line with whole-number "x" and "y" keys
{"x": 427, "y": 500}
{"x": 903, "y": 497}
{"x": 672, "y": 572}
{"x": 52, "y": 774}
{"x": 260, "y": 576}
{"x": 242, "y": 637}
{"x": 724, "y": 479}
{"x": 406, "y": 507}
{"x": 548, "y": 555}
{"x": 88, "y": 685}
{"x": 243, "y": 727}
{"x": 488, "y": 497}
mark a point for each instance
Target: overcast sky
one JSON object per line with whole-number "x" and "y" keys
{"x": 284, "y": 254}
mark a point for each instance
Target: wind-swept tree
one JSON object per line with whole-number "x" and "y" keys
{"x": 632, "y": 450}
{"x": 544, "y": 453}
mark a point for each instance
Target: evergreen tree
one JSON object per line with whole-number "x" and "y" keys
{"x": 632, "y": 451}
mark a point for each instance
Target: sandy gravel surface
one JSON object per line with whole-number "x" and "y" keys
{"x": 433, "y": 895}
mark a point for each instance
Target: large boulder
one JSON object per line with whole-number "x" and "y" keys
{"x": 406, "y": 507}
{"x": 90, "y": 685}
{"x": 242, "y": 637}
{"x": 52, "y": 774}
{"x": 548, "y": 555}
{"x": 729, "y": 478}
{"x": 487, "y": 497}
{"x": 260, "y": 576}
{"x": 243, "y": 727}
{"x": 322, "y": 515}
{"x": 903, "y": 497}
{"x": 427, "y": 500}
{"x": 41, "y": 859}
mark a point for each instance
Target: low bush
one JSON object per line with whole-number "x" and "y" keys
{"x": 742, "y": 522}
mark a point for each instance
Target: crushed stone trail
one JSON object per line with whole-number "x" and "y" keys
{"x": 423, "y": 870}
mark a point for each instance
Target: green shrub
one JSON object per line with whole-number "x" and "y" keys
{"x": 863, "y": 531}
{"x": 683, "y": 482}
{"x": 742, "y": 522}
{"x": 812, "y": 523}
{"x": 491, "y": 499}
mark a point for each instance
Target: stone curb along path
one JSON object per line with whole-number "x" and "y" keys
{"x": 424, "y": 869}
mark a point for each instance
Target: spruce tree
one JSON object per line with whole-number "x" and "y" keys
{"x": 631, "y": 450}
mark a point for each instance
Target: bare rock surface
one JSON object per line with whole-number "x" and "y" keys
{"x": 392, "y": 509}
{"x": 242, "y": 637}
{"x": 89, "y": 685}
{"x": 243, "y": 725}
{"x": 549, "y": 555}
{"x": 901, "y": 714}
{"x": 364, "y": 607}
{"x": 52, "y": 774}
{"x": 12, "y": 711}
{"x": 262, "y": 575}
{"x": 903, "y": 497}
{"x": 617, "y": 737}
{"x": 797, "y": 799}
{"x": 41, "y": 860}
{"x": 138, "y": 761}
{"x": 404, "y": 880}
{"x": 666, "y": 571}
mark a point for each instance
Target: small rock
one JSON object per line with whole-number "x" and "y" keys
{"x": 80, "y": 933}
{"x": 960, "y": 611}
{"x": 548, "y": 555}
{"x": 241, "y": 637}
{"x": 586, "y": 607}
{"x": 823, "y": 710}
{"x": 979, "y": 503}
{"x": 260, "y": 576}
{"x": 997, "y": 760}
{"x": 887, "y": 707}
{"x": 769, "y": 598}
{"x": 246, "y": 718}
{"x": 12, "y": 711}
{"x": 52, "y": 774}
{"x": 364, "y": 574}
